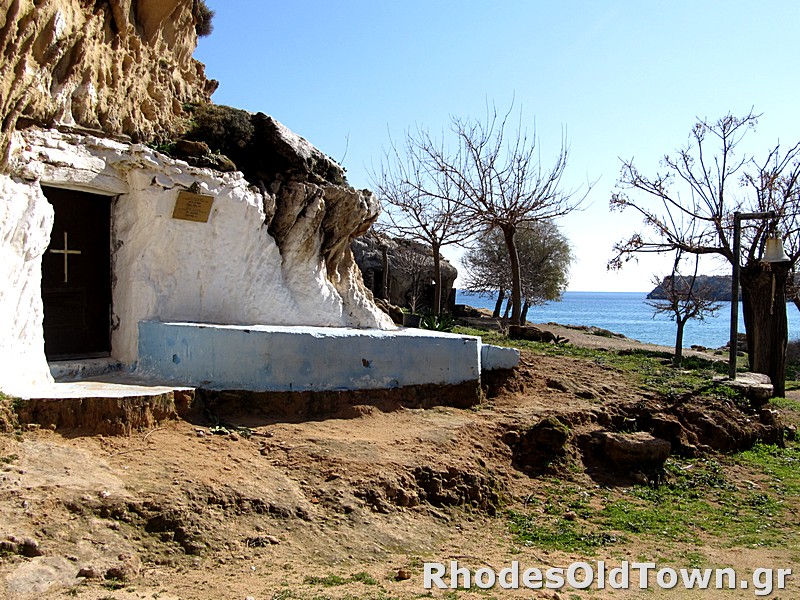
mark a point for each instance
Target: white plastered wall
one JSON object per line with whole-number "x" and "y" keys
{"x": 26, "y": 220}
{"x": 228, "y": 270}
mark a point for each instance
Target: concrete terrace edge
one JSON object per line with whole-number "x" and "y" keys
{"x": 262, "y": 358}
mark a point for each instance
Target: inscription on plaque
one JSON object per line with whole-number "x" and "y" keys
{"x": 192, "y": 207}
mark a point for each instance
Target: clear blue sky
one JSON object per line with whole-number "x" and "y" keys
{"x": 625, "y": 78}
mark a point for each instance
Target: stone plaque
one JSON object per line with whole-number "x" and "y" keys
{"x": 192, "y": 207}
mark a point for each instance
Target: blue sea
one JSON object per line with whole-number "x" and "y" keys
{"x": 628, "y": 314}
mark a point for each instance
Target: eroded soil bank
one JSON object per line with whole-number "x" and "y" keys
{"x": 351, "y": 505}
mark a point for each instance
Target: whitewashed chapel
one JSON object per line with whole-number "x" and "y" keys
{"x": 101, "y": 236}
{"x": 95, "y": 231}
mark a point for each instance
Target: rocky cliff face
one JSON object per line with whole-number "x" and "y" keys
{"x": 410, "y": 270}
{"x": 123, "y": 67}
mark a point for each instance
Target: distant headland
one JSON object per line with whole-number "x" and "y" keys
{"x": 718, "y": 287}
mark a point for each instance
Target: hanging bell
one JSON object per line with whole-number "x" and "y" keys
{"x": 773, "y": 251}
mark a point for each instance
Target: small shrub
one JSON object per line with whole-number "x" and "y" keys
{"x": 225, "y": 129}
{"x": 203, "y": 17}
{"x": 443, "y": 322}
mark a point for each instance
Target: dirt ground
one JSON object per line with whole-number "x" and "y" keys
{"x": 335, "y": 507}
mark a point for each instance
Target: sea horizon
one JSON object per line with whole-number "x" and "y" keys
{"x": 629, "y": 314}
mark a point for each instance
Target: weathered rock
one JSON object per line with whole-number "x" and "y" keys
{"x": 533, "y": 334}
{"x": 77, "y": 73}
{"x": 640, "y": 449}
{"x": 35, "y": 577}
{"x": 8, "y": 417}
{"x": 534, "y": 449}
{"x": 123, "y": 67}
{"x": 90, "y": 572}
{"x": 410, "y": 269}
{"x": 126, "y": 568}
{"x": 191, "y": 148}
{"x": 454, "y": 487}
{"x": 557, "y": 384}
{"x": 756, "y": 387}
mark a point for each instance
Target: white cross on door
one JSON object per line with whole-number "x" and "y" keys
{"x": 66, "y": 252}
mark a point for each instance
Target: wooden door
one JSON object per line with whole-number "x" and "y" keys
{"x": 76, "y": 276}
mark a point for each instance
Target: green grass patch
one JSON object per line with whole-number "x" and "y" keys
{"x": 700, "y": 504}
{"x": 336, "y": 580}
{"x": 781, "y": 466}
{"x": 559, "y": 534}
{"x": 786, "y": 404}
{"x": 647, "y": 369}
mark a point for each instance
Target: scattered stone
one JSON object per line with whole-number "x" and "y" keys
{"x": 640, "y": 449}
{"x": 261, "y": 541}
{"x": 29, "y": 548}
{"x": 570, "y": 515}
{"x": 403, "y": 574}
{"x": 557, "y": 384}
{"x": 234, "y": 437}
{"x": 533, "y": 334}
{"x": 90, "y": 572}
{"x": 128, "y": 568}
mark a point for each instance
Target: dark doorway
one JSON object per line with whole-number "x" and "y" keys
{"x": 76, "y": 276}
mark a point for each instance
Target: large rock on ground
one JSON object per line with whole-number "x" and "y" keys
{"x": 634, "y": 450}
{"x": 537, "y": 447}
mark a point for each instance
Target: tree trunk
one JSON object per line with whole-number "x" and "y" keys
{"x": 764, "y": 310}
{"x": 509, "y": 232}
{"x": 524, "y": 316}
{"x": 677, "y": 360}
{"x": 437, "y": 280}
{"x": 498, "y": 306}
{"x": 508, "y": 309}
{"x": 385, "y": 277}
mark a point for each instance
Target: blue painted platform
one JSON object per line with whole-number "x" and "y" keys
{"x": 297, "y": 358}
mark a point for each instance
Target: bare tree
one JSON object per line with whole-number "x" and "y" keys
{"x": 421, "y": 203}
{"x": 500, "y": 181}
{"x": 683, "y": 298}
{"x": 414, "y": 265}
{"x": 691, "y": 207}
